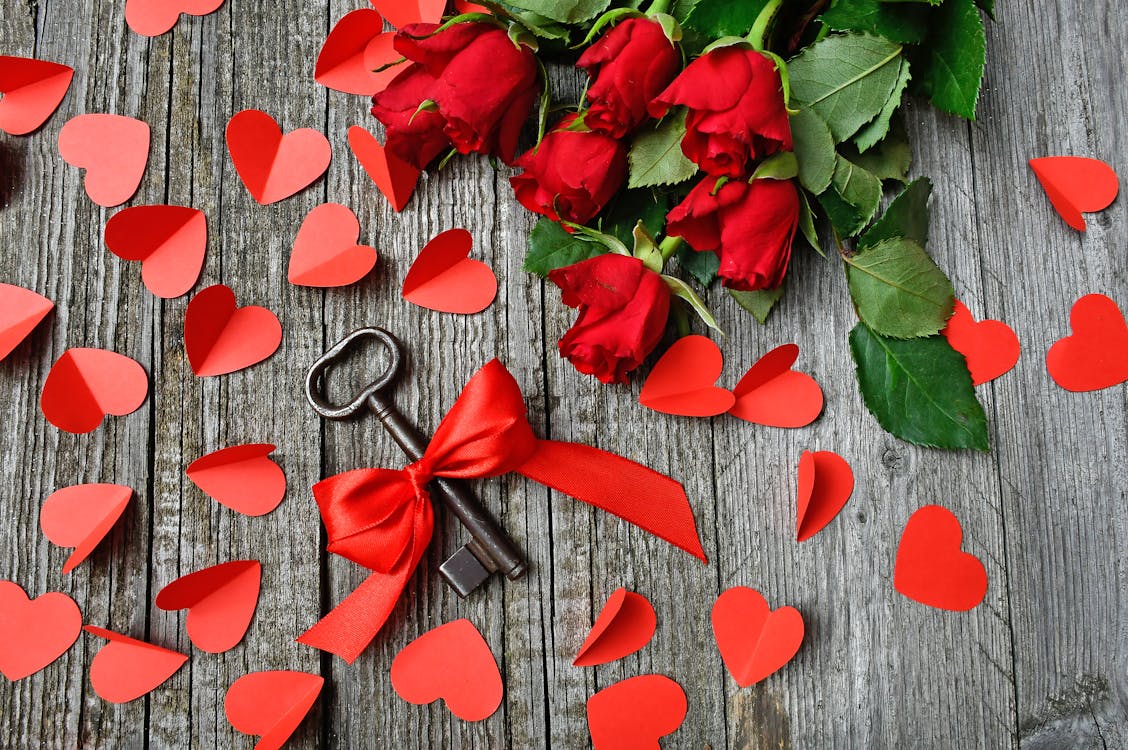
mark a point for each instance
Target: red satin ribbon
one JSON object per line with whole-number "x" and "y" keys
{"x": 382, "y": 519}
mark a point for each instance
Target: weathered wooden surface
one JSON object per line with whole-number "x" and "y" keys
{"x": 1043, "y": 663}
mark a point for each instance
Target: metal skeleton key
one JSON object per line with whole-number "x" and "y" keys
{"x": 490, "y": 549}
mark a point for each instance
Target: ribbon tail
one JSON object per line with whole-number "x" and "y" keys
{"x": 652, "y": 501}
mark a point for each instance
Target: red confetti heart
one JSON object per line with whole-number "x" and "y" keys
{"x": 242, "y": 477}
{"x": 21, "y": 310}
{"x": 625, "y": 625}
{"x": 354, "y": 51}
{"x": 220, "y": 600}
{"x": 79, "y": 517}
{"x": 34, "y": 632}
{"x": 754, "y": 640}
{"x": 155, "y": 17}
{"x": 773, "y": 394}
{"x": 273, "y": 166}
{"x": 32, "y": 90}
{"x": 1096, "y": 355}
{"x": 325, "y": 252}
{"x": 682, "y": 381}
{"x": 826, "y": 482}
{"x": 112, "y": 149}
{"x": 126, "y": 669}
{"x": 221, "y": 337}
{"x": 932, "y": 569}
{"x": 402, "y": 13}
{"x": 452, "y": 662}
{"x": 990, "y": 346}
{"x": 85, "y": 385}
{"x": 170, "y": 242}
{"x": 271, "y": 705}
{"x": 1075, "y": 184}
{"x": 443, "y": 278}
{"x": 635, "y": 713}
{"x": 395, "y": 178}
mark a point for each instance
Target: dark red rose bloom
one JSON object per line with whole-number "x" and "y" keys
{"x": 629, "y": 66}
{"x": 736, "y": 111}
{"x": 750, "y": 226}
{"x": 572, "y": 174}
{"x": 623, "y": 310}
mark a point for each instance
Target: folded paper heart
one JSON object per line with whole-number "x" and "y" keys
{"x": 635, "y": 713}
{"x": 932, "y": 569}
{"x": 170, "y": 242}
{"x": 755, "y": 641}
{"x": 1096, "y": 355}
{"x": 31, "y": 90}
{"x": 34, "y": 632}
{"x": 85, "y": 385}
{"x": 21, "y": 310}
{"x": 220, "y": 600}
{"x": 826, "y": 482}
{"x": 155, "y": 17}
{"x": 112, "y": 149}
{"x": 1075, "y": 184}
{"x": 126, "y": 669}
{"x": 382, "y": 519}
{"x": 624, "y": 625}
{"x": 326, "y": 252}
{"x": 357, "y": 56}
{"x": 395, "y": 178}
{"x": 445, "y": 279}
{"x": 452, "y": 662}
{"x": 990, "y": 346}
{"x": 271, "y": 705}
{"x": 773, "y": 394}
{"x": 682, "y": 381}
{"x": 242, "y": 477}
{"x": 402, "y": 13}
{"x": 79, "y": 517}
{"x": 220, "y": 337}
{"x": 271, "y": 165}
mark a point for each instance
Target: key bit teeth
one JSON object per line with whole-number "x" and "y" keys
{"x": 463, "y": 571}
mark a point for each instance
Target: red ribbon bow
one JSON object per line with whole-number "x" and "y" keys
{"x": 382, "y": 518}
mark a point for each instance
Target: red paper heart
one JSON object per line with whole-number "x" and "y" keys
{"x": 1096, "y": 355}
{"x": 34, "y": 632}
{"x": 271, "y": 705}
{"x": 325, "y": 251}
{"x": 931, "y": 568}
{"x": 155, "y": 17}
{"x": 32, "y": 90}
{"x": 402, "y": 13}
{"x": 273, "y": 166}
{"x": 126, "y": 669}
{"x": 21, "y": 310}
{"x": 79, "y": 517}
{"x": 1075, "y": 184}
{"x": 635, "y": 713}
{"x": 220, "y": 600}
{"x": 221, "y": 337}
{"x": 355, "y": 49}
{"x": 625, "y": 625}
{"x": 112, "y": 149}
{"x": 85, "y": 385}
{"x": 682, "y": 381}
{"x": 754, "y": 640}
{"x": 170, "y": 242}
{"x": 452, "y": 662}
{"x": 395, "y": 178}
{"x": 990, "y": 346}
{"x": 773, "y": 394}
{"x": 826, "y": 482}
{"x": 443, "y": 278}
{"x": 242, "y": 477}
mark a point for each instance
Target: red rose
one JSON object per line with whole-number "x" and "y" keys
{"x": 623, "y": 309}
{"x": 736, "y": 111}
{"x": 572, "y": 174}
{"x": 750, "y": 226}
{"x": 629, "y": 66}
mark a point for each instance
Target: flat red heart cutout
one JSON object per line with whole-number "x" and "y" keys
{"x": 32, "y": 90}
{"x": 112, "y": 149}
{"x": 170, "y": 242}
{"x": 682, "y": 381}
{"x": 273, "y": 166}
{"x": 624, "y": 625}
{"x": 85, "y": 385}
{"x": 221, "y": 337}
{"x": 402, "y": 13}
{"x": 395, "y": 178}
{"x": 79, "y": 517}
{"x": 826, "y": 482}
{"x": 931, "y": 568}
{"x": 990, "y": 347}
{"x": 443, "y": 278}
{"x": 1075, "y": 184}
{"x": 126, "y": 669}
{"x": 34, "y": 632}
{"x": 354, "y": 57}
{"x": 242, "y": 477}
{"x": 21, "y": 310}
{"x": 271, "y": 705}
{"x": 155, "y": 17}
{"x": 773, "y": 394}
{"x": 754, "y": 640}
{"x": 1096, "y": 355}
{"x": 452, "y": 662}
{"x": 220, "y": 600}
{"x": 635, "y": 713}
{"x": 325, "y": 252}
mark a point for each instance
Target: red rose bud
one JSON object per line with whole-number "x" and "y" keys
{"x": 629, "y": 66}
{"x": 736, "y": 110}
{"x": 750, "y": 226}
{"x": 572, "y": 174}
{"x": 414, "y": 135}
{"x": 623, "y": 310}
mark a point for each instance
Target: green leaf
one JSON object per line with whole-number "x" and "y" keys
{"x": 950, "y": 63}
{"x": 898, "y": 290}
{"x": 550, "y": 247}
{"x": 873, "y": 132}
{"x": 907, "y": 216}
{"x": 702, "y": 266}
{"x": 807, "y": 224}
{"x": 919, "y": 390}
{"x": 720, "y": 18}
{"x": 987, "y": 6}
{"x": 814, "y": 148}
{"x": 852, "y": 199}
{"x": 656, "y": 156}
{"x": 888, "y": 160}
{"x": 781, "y": 166}
{"x": 631, "y": 206}
{"x": 564, "y": 11}
{"x": 685, "y": 292}
{"x": 904, "y": 24}
{"x": 760, "y": 302}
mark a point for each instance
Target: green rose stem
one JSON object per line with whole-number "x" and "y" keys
{"x": 757, "y": 37}
{"x": 668, "y": 247}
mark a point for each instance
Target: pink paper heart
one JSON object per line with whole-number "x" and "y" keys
{"x": 112, "y": 149}
{"x": 326, "y": 253}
